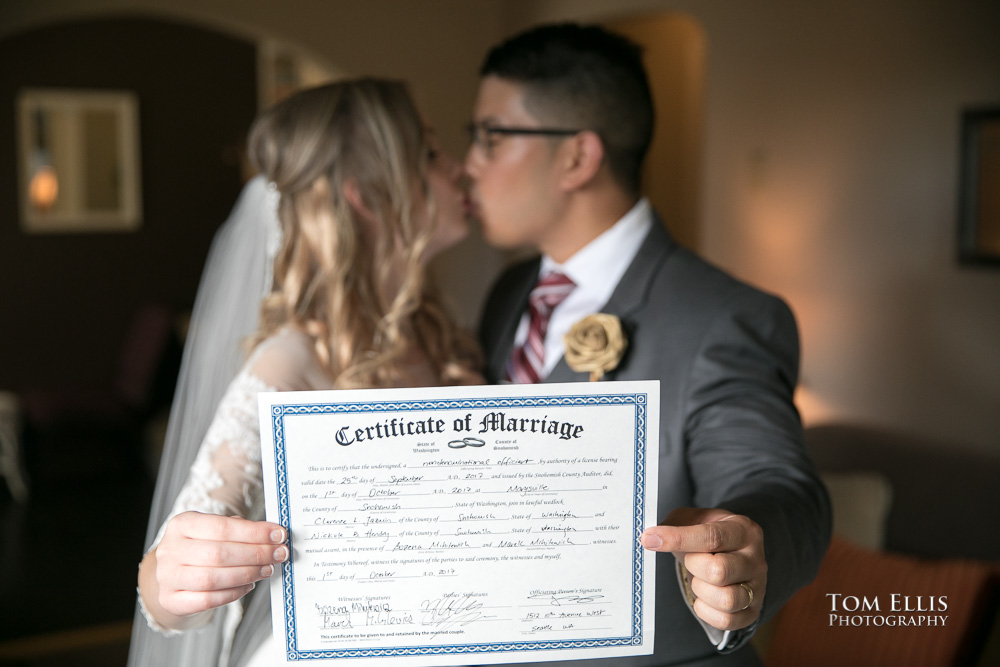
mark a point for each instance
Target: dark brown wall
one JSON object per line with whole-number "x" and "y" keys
{"x": 65, "y": 299}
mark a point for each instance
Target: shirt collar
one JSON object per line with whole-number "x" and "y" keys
{"x": 604, "y": 260}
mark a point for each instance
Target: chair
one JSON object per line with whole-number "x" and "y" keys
{"x": 69, "y": 432}
{"x": 911, "y": 518}
{"x": 10, "y": 446}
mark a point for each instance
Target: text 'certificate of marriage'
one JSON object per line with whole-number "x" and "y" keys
{"x": 463, "y": 525}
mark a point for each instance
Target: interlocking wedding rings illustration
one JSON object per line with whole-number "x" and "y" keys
{"x": 466, "y": 442}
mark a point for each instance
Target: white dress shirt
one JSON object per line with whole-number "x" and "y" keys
{"x": 596, "y": 269}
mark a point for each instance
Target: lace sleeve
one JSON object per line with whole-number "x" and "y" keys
{"x": 226, "y": 475}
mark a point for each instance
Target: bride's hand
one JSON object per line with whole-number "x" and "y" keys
{"x": 205, "y": 561}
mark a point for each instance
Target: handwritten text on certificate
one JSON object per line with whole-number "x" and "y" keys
{"x": 463, "y": 525}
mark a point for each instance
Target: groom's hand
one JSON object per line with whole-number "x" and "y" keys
{"x": 724, "y": 553}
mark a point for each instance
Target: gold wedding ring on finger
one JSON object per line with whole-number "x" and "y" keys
{"x": 745, "y": 586}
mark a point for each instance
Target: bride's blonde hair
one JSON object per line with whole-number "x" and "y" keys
{"x": 360, "y": 292}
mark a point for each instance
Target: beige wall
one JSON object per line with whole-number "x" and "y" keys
{"x": 829, "y": 168}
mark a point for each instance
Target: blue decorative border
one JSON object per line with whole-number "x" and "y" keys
{"x": 280, "y": 411}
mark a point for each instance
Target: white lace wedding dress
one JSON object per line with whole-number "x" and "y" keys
{"x": 226, "y": 475}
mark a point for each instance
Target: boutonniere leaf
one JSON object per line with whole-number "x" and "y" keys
{"x": 595, "y": 344}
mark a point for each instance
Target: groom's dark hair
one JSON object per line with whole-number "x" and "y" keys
{"x": 586, "y": 78}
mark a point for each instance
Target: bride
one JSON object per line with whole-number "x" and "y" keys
{"x": 366, "y": 199}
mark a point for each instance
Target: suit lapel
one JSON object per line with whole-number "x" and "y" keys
{"x": 515, "y": 302}
{"x": 633, "y": 289}
{"x": 630, "y": 295}
{"x": 563, "y": 373}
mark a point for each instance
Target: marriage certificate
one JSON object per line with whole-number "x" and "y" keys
{"x": 463, "y": 525}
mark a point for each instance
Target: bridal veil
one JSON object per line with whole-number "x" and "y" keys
{"x": 236, "y": 276}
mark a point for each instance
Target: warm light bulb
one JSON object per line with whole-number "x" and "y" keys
{"x": 44, "y": 188}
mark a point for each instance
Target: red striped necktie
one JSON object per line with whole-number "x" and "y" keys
{"x": 527, "y": 362}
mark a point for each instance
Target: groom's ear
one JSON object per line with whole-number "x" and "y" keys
{"x": 582, "y": 158}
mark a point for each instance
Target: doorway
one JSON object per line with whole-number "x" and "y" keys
{"x": 674, "y": 47}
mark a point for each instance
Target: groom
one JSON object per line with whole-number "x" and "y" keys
{"x": 562, "y": 121}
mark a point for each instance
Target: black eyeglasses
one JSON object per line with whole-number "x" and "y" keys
{"x": 482, "y": 134}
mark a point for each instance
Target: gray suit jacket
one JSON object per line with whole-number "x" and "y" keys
{"x": 726, "y": 356}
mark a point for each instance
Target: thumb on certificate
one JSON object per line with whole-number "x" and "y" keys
{"x": 688, "y": 529}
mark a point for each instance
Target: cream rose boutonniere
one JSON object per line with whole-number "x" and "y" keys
{"x": 595, "y": 344}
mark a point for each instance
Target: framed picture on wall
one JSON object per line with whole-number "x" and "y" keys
{"x": 78, "y": 163}
{"x": 979, "y": 191}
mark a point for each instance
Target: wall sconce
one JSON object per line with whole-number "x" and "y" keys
{"x": 43, "y": 188}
